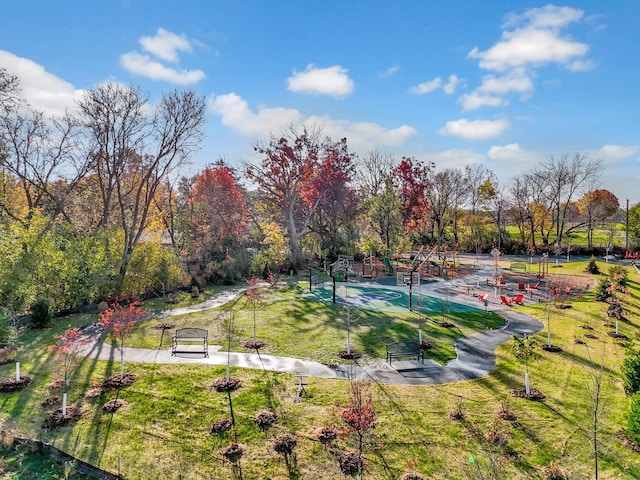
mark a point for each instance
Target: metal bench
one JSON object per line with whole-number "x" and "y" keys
{"x": 403, "y": 349}
{"x": 195, "y": 338}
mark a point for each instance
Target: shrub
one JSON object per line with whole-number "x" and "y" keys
{"x": 631, "y": 371}
{"x": 41, "y": 313}
{"x": 592, "y": 267}
{"x": 633, "y": 420}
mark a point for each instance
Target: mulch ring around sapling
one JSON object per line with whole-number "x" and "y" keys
{"x": 117, "y": 381}
{"x": 284, "y": 444}
{"x": 164, "y": 326}
{"x": 617, "y": 335}
{"x": 220, "y": 426}
{"x": 57, "y": 419}
{"x": 327, "y": 435}
{"x": 224, "y": 384}
{"x": 257, "y": 345}
{"x": 551, "y": 348}
{"x": 50, "y": 401}
{"x": 13, "y": 385}
{"x": 265, "y": 420}
{"x": 233, "y": 453}
{"x": 534, "y": 394}
{"x": 349, "y": 355}
{"x": 446, "y": 324}
{"x": 112, "y": 406}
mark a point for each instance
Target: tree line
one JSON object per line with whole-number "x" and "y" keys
{"x": 94, "y": 203}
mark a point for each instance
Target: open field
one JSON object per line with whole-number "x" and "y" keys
{"x": 163, "y": 429}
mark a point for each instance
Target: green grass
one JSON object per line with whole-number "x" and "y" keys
{"x": 302, "y": 326}
{"x": 162, "y": 432}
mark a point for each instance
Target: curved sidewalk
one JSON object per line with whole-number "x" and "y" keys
{"x": 475, "y": 355}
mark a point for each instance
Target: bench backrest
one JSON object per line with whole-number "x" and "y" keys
{"x": 403, "y": 346}
{"x": 191, "y": 332}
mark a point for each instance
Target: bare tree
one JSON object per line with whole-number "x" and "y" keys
{"x": 371, "y": 172}
{"x": 441, "y": 200}
{"x": 564, "y": 176}
{"x": 133, "y": 152}
{"x": 44, "y": 158}
{"x": 9, "y": 91}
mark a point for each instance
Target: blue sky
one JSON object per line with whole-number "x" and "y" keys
{"x": 505, "y": 84}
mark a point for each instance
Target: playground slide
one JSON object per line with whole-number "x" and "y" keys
{"x": 387, "y": 263}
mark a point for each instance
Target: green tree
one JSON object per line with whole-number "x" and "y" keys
{"x": 633, "y": 419}
{"x": 631, "y": 371}
{"x": 383, "y": 214}
{"x": 634, "y": 225}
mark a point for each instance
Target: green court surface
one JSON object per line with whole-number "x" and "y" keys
{"x": 383, "y": 299}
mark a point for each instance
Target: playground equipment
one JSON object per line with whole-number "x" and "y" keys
{"x": 343, "y": 265}
{"x": 372, "y": 268}
{"x": 387, "y": 262}
{"x": 421, "y": 258}
{"x": 408, "y": 279}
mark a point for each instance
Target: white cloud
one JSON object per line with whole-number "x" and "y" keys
{"x": 514, "y": 81}
{"x": 549, "y": 16}
{"x": 615, "y": 153}
{"x": 144, "y": 66}
{"x": 450, "y": 87}
{"x": 44, "y": 91}
{"x": 581, "y": 65}
{"x": 529, "y": 47}
{"x": 426, "y": 87}
{"x": 513, "y": 154}
{"x": 474, "y": 129}
{"x": 390, "y": 71}
{"x": 475, "y": 100}
{"x": 165, "y": 45}
{"x": 332, "y": 81}
{"x": 236, "y": 114}
{"x": 362, "y": 135}
{"x": 528, "y": 42}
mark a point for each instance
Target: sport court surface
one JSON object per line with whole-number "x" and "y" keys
{"x": 379, "y": 298}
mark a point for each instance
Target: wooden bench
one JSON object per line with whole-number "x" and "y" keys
{"x": 190, "y": 337}
{"x": 406, "y": 348}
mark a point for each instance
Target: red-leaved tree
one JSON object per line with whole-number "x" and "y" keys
{"x": 295, "y": 174}
{"x": 119, "y": 321}
{"x": 359, "y": 417}
{"x": 68, "y": 352}
{"x": 219, "y": 213}
{"x": 413, "y": 178}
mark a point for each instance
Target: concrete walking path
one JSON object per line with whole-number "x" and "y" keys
{"x": 475, "y": 354}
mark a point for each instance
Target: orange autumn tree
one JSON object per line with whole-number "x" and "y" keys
{"x": 119, "y": 321}
{"x": 219, "y": 214}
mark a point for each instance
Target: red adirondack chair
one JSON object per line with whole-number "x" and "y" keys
{"x": 534, "y": 286}
{"x": 518, "y": 299}
{"x": 521, "y": 287}
{"x": 483, "y": 296}
{"x": 504, "y": 300}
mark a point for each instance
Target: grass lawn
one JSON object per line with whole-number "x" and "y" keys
{"x": 162, "y": 431}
